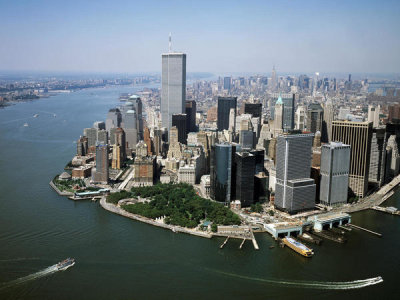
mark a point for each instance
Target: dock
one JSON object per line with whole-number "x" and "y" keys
{"x": 388, "y": 210}
{"x": 253, "y": 239}
{"x": 344, "y": 228}
{"x": 331, "y": 237}
{"x": 224, "y": 243}
{"x": 367, "y": 230}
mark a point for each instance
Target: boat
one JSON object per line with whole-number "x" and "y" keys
{"x": 65, "y": 264}
{"x": 54, "y": 115}
{"x": 36, "y": 115}
{"x": 26, "y": 125}
{"x": 298, "y": 247}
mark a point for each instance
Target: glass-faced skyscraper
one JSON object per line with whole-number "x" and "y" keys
{"x": 224, "y": 106}
{"x": 221, "y": 172}
{"x": 173, "y": 86}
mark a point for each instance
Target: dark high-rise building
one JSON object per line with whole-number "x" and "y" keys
{"x": 227, "y": 83}
{"x": 191, "y": 116}
{"x": 378, "y": 155}
{"x": 99, "y": 125}
{"x": 259, "y": 154}
{"x": 288, "y": 113}
{"x": 179, "y": 121}
{"x": 221, "y": 173}
{"x": 245, "y": 171}
{"x": 158, "y": 142}
{"x": 315, "y": 117}
{"x": 295, "y": 190}
{"x": 358, "y": 135}
{"x": 224, "y": 106}
{"x": 254, "y": 109}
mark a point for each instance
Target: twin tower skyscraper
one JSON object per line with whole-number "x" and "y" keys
{"x": 173, "y": 86}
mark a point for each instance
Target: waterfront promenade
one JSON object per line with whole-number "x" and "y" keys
{"x": 374, "y": 199}
{"x": 117, "y": 210}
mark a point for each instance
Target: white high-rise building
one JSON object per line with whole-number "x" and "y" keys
{"x": 300, "y": 117}
{"x": 373, "y": 114}
{"x": 173, "y": 86}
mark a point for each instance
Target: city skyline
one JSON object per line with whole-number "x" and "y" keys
{"x": 355, "y": 37}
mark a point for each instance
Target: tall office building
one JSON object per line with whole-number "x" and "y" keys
{"x": 190, "y": 110}
{"x": 99, "y": 125}
{"x": 254, "y": 109}
{"x": 116, "y": 162}
{"x": 147, "y": 140}
{"x": 173, "y": 87}
{"x": 120, "y": 140}
{"x": 227, "y": 83}
{"x": 130, "y": 128}
{"x": 335, "y": 164}
{"x": 288, "y": 113}
{"x": 82, "y": 146}
{"x": 328, "y": 119}
{"x": 114, "y": 119}
{"x": 100, "y": 173}
{"x": 373, "y": 114}
{"x": 358, "y": 135}
{"x": 91, "y": 134}
{"x": 245, "y": 171}
{"x": 378, "y": 155}
{"x": 300, "y": 117}
{"x": 102, "y": 136}
{"x": 394, "y": 113}
{"x": 278, "y": 117}
{"x": 221, "y": 172}
{"x": 274, "y": 79}
{"x": 224, "y": 106}
{"x": 157, "y": 142}
{"x": 315, "y": 116}
{"x": 179, "y": 121}
{"x": 294, "y": 189}
{"x": 137, "y": 106}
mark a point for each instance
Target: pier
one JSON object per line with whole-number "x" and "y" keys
{"x": 367, "y": 230}
{"x": 224, "y": 243}
{"x": 388, "y": 210}
{"x": 241, "y": 245}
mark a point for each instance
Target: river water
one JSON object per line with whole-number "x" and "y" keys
{"x": 118, "y": 258}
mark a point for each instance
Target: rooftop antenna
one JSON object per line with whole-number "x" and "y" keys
{"x": 169, "y": 43}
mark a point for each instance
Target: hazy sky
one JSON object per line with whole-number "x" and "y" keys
{"x": 217, "y": 36}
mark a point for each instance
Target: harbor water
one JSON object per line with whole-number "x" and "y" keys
{"x": 118, "y": 258}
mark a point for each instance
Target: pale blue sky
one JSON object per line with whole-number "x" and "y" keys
{"x": 218, "y": 36}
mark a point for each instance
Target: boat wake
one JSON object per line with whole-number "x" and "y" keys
{"x": 322, "y": 285}
{"x": 48, "y": 271}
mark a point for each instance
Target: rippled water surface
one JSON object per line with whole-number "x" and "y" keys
{"x": 118, "y": 258}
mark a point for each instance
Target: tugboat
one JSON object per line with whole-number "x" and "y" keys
{"x": 65, "y": 264}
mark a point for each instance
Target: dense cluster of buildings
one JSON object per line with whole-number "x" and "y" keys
{"x": 294, "y": 141}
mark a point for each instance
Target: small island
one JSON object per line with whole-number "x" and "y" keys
{"x": 173, "y": 204}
